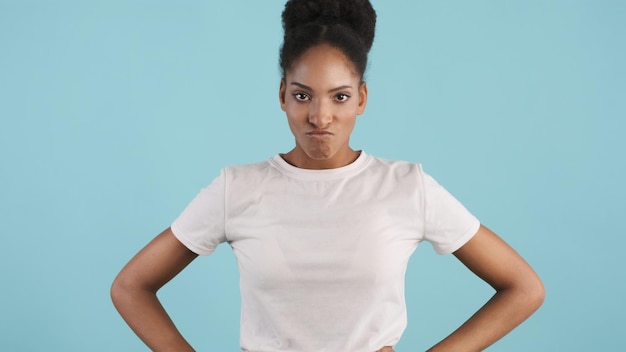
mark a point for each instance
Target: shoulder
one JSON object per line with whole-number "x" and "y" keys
{"x": 398, "y": 167}
{"x": 251, "y": 172}
{"x": 404, "y": 176}
{"x": 245, "y": 168}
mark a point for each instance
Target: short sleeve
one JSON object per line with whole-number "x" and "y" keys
{"x": 200, "y": 227}
{"x": 448, "y": 224}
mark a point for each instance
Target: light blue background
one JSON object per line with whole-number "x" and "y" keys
{"x": 115, "y": 113}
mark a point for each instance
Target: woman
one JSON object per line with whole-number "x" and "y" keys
{"x": 323, "y": 233}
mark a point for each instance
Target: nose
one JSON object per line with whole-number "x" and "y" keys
{"x": 320, "y": 113}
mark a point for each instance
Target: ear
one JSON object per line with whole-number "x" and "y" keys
{"x": 281, "y": 93}
{"x": 362, "y": 97}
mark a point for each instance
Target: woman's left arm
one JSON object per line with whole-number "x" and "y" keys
{"x": 519, "y": 292}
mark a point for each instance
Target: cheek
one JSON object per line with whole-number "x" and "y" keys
{"x": 350, "y": 111}
{"x": 295, "y": 112}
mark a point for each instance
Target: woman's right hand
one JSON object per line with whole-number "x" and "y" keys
{"x": 134, "y": 291}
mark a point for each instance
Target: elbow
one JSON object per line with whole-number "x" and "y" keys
{"x": 535, "y": 293}
{"x": 539, "y": 293}
{"x": 528, "y": 292}
{"x": 121, "y": 290}
{"x": 117, "y": 291}
{"x": 126, "y": 289}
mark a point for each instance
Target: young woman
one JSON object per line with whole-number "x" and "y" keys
{"x": 322, "y": 234}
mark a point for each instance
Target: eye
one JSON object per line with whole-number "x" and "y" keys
{"x": 301, "y": 96}
{"x": 341, "y": 97}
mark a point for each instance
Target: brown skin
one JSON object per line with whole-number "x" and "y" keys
{"x": 134, "y": 292}
{"x": 519, "y": 292}
{"x": 322, "y": 94}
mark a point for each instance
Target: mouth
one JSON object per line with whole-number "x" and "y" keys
{"x": 319, "y": 134}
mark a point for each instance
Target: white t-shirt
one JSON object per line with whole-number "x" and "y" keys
{"x": 322, "y": 253}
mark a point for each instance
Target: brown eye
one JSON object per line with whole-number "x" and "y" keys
{"x": 301, "y": 97}
{"x": 342, "y": 97}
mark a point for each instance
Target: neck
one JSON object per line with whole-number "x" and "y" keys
{"x": 301, "y": 160}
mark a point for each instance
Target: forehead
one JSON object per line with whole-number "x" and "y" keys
{"x": 322, "y": 65}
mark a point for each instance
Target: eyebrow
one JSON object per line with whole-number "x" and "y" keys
{"x": 303, "y": 86}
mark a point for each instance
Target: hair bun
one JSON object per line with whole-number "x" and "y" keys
{"x": 358, "y": 15}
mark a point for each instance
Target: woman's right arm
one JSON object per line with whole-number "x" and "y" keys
{"x": 134, "y": 291}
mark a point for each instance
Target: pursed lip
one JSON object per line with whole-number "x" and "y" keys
{"x": 319, "y": 134}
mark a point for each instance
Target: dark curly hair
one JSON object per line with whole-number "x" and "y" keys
{"x": 347, "y": 25}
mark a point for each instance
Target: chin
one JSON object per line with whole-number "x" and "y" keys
{"x": 323, "y": 153}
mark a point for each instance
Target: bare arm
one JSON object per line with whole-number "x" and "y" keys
{"x": 134, "y": 291}
{"x": 519, "y": 292}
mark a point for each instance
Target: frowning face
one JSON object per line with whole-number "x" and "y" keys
{"x": 322, "y": 95}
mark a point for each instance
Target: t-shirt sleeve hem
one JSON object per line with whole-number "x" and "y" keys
{"x": 188, "y": 243}
{"x": 452, "y": 247}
